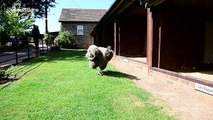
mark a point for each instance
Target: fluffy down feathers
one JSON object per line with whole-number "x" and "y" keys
{"x": 99, "y": 56}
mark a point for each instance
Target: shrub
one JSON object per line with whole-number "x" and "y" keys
{"x": 66, "y": 40}
{"x": 47, "y": 38}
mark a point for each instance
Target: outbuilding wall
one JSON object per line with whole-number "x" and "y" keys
{"x": 83, "y": 40}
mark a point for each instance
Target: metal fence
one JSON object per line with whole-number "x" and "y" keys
{"x": 16, "y": 51}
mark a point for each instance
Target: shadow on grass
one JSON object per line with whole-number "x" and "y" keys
{"x": 120, "y": 75}
{"x": 6, "y": 81}
{"x": 61, "y": 55}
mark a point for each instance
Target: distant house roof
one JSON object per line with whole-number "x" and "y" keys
{"x": 81, "y": 15}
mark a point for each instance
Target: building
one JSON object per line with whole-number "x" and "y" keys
{"x": 170, "y": 38}
{"x": 81, "y": 22}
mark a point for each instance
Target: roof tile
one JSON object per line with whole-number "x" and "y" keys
{"x": 81, "y": 15}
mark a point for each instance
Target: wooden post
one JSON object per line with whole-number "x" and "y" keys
{"x": 159, "y": 46}
{"x": 119, "y": 39}
{"x": 92, "y": 40}
{"x": 46, "y": 23}
{"x": 97, "y": 39}
{"x": 115, "y": 35}
{"x": 16, "y": 52}
{"x": 149, "y": 38}
{"x": 103, "y": 37}
{"x": 28, "y": 49}
{"x": 16, "y": 48}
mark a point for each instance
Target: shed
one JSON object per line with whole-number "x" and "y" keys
{"x": 173, "y": 36}
{"x": 81, "y": 22}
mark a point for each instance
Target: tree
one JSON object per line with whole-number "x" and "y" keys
{"x": 15, "y": 22}
{"x": 36, "y": 6}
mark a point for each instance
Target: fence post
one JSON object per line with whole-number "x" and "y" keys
{"x": 28, "y": 49}
{"x": 47, "y": 46}
{"x": 16, "y": 50}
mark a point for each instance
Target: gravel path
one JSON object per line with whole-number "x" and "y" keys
{"x": 182, "y": 100}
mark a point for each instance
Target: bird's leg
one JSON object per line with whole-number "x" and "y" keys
{"x": 99, "y": 72}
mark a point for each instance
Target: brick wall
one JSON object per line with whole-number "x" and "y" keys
{"x": 83, "y": 40}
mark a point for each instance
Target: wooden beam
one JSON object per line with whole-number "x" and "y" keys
{"x": 115, "y": 36}
{"x": 119, "y": 39}
{"x": 92, "y": 38}
{"x": 159, "y": 46}
{"x": 149, "y": 38}
{"x": 157, "y": 2}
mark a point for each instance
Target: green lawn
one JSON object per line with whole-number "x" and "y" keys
{"x": 61, "y": 86}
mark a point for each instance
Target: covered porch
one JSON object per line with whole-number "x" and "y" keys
{"x": 123, "y": 28}
{"x": 170, "y": 37}
{"x": 182, "y": 37}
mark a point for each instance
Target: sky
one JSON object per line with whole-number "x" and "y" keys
{"x": 54, "y": 13}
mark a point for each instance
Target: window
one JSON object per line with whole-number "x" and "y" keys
{"x": 80, "y": 30}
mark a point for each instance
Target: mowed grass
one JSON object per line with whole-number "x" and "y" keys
{"x": 61, "y": 86}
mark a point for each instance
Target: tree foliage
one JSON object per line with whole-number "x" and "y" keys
{"x": 14, "y": 22}
{"x": 36, "y": 6}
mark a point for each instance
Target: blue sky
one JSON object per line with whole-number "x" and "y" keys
{"x": 54, "y": 14}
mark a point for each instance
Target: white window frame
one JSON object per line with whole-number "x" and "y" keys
{"x": 80, "y": 30}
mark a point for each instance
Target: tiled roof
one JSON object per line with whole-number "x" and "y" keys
{"x": 81, "y": 15}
